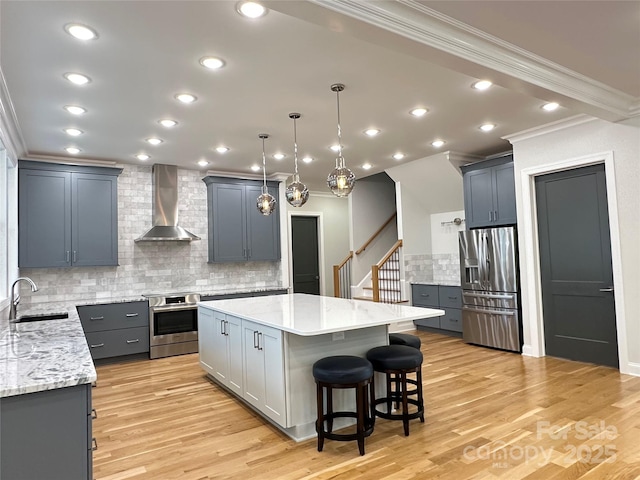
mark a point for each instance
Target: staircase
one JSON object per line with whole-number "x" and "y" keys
{"x": 384, "y": 282}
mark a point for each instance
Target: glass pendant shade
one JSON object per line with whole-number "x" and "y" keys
{"x": 341, "y": 180}
{"x": 266, "y": 203}
{"x": 297, "y": 192}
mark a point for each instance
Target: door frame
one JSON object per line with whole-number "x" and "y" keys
{"x": 318, "y": 216}
{"x": 530, "y": 255}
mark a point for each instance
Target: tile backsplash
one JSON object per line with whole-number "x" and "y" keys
{"x": 152, "y": 267}
{"x": 441, "y": 268}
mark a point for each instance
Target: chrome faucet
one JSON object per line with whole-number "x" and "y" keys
{"x": 16, "y": 299}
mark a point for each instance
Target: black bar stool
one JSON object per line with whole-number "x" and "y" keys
{"x": 344, "y": 371}
{"x": 405, "y": 339}
{"x": 396, "y": 361}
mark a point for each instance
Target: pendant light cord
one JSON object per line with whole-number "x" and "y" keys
{"x": 295, "y": 147}
{"x": 264, "y": 168}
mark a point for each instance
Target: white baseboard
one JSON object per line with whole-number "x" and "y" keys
{"x": 632, "y": 369}
{"x": 527, "y": 351}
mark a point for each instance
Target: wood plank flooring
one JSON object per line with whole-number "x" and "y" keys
{"x": 489, "y": 415}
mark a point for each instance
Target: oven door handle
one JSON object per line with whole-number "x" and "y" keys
{"x": 172, "y": 308}
{"x": 508, "y": 313}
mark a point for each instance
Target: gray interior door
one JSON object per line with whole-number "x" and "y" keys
{"x": 304, "y": 244}
{"x": 575, "y": 265}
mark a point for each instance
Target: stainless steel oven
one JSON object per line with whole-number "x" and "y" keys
{"x": 173, "y": 324}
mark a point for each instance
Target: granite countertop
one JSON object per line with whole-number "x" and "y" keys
{"x": 309, "y": 315}
{"x": 44, "y": 355}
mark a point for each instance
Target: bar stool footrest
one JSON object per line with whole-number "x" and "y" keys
{"x": 399, "y": 416}
{"x": 368, "y": 423}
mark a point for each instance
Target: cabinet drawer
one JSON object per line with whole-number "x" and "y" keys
{"x": 424, "y": 295}
{"x": 450, "y": 297}
{"x": 113, "y": 316}
{"x": 113, "y": 343}
{"x": 452, "y": 320}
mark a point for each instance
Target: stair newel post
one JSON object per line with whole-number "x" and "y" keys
{"x": 336, "y": 281}
{"x": 375, "y": 283}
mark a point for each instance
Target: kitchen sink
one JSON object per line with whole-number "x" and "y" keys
{"x": 39, "y": 318}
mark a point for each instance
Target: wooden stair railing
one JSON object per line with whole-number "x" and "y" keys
{"x": 378, "y": 232}
{"x": 342, "y": 278}
{"x": 390, "y": 284}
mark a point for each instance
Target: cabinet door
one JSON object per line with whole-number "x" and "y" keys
{"x": 478, "y": 198}
{"x": 263, "y": 232}
{"x": 94, "y": 219}
{"x": 254, "y": 376}
{"x": 274, "y": 394}
{"x": 504, "y": 195}
{"x": 210, "y": 339}
{"x": 227, "y": 223}
{"x": 234, "y": 354}
{"x": 44, "y": 218}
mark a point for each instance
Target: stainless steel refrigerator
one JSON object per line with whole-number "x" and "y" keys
{"x": 489, "y": 280}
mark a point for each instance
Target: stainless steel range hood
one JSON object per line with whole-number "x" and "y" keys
{"x": 165, "y": 208}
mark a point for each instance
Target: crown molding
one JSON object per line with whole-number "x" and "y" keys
{"x": 549, "y": 128}
{"x": 419, "y": 23}
{"x": 68, "y": 161}
{"x": 10, "y": 133}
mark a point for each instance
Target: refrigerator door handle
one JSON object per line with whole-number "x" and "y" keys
{"x": 505, "y": 296}
{"x": 508, "y": 313}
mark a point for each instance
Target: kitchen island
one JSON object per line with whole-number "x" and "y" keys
{"x": 262, "y": 349}
{"x": 46, "y": 373}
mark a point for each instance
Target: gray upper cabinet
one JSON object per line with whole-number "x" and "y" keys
{"x": 489, "y": 193}
{"x": 67, "y": 215}
{"x": 238, "y": 232}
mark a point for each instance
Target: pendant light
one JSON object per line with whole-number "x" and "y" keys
{"x": 341, "y": 179}
{"x": 297, "y": 192}
{"x": 266, "y": 202}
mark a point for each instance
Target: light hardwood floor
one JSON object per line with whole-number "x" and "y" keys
{"x": 489, "y": 415}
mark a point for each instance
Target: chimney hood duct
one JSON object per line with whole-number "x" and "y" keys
{"x": 165, "y": 208}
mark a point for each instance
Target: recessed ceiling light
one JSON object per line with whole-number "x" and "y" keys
{"x": 278, "y": 156}
{"x": 154, "y": 141}
{"x": 81, "y": 32}
{"x": 398, "y": 156}
{"x": 487, "y": 127}
{"x": 255, "y": 168}
{"x": 550, "y": 107}
{"x": 482, "y": 85}
{"x": 75, "y": 109}
{"x": 72, "y": 150}
{"x": 203, "y": 163}
{"x": 222, "y": 149}
{"x": 167, "y": 122}
{"x": 372, "y": 132}
{"x": 143, "y": 156}
{"x": 77, "y": 78}
{"x": 251, "y": 9}
{"x": 335, "y": 148}
{"x": 307, "y": 159}
{"x": 186, "y": 98}
{"x": 366, "y": 166}
{"x": 74, "y": 132}
{"x": 418, "y": 112}
{"x": 212, "y": 63}
{"x": 437, "y": 143}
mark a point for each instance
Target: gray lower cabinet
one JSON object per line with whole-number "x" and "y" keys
{"x": 67, "y": 215}
{"x": 47, "y": 435}
{"x": 116, "y": 329}
{"x": 489, "y": 193}
{"x": 238, "y": 232}
{"x": 444, "y": 297}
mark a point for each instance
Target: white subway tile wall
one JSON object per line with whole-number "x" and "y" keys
{"x": 443, "y": 268}
{"x": 152, "y": 267}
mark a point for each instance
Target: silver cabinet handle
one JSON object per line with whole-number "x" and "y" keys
{"x": 94, "y": 414}
{"x": 607, "y": 289}
{"x": 97, "y": 345}
{"x": 222, "y": 327}
{"x": 133, "y": 341}
{"x": 68, "y": 258}
{"x": 259, "y": 337}
{"x": 96, "y": 318}
{"x": 425, "y": 295}
{"x": 75, "y": 256}
{"x": 132, "y": 315}
{"x": 255, "y": 339}
{"x": 94, "y": 444}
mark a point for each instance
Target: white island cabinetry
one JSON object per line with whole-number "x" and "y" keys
{"x": 275, "y": 340}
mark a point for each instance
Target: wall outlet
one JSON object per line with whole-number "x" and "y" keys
{"x": 337, "y": 336}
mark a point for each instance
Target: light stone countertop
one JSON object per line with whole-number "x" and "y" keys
{"x": 309, "y": 315}
{"x": 443, "y": 284}
{"x": 44, "y": 355}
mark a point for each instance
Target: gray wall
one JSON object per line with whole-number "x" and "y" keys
{"x": 152, "y": 267}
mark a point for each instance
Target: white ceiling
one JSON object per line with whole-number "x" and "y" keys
{"x": 583, "y": 54}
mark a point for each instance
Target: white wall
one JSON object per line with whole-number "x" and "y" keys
{"x": 334, "y": 232}
{"x": 569, "y": 144}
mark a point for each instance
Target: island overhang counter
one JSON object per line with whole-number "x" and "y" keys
{"x": 261, "y": 349}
